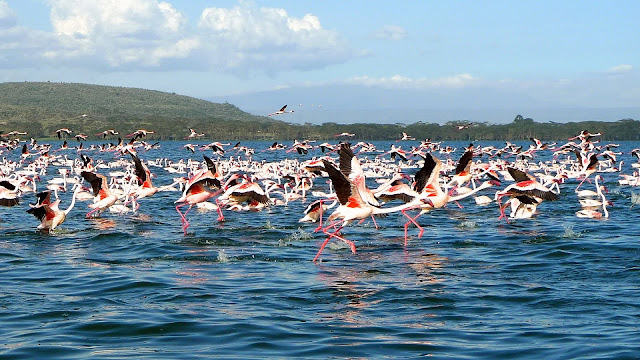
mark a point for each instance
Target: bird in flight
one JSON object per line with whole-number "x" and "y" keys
{"x": 281, "y": 111}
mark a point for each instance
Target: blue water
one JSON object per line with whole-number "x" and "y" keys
{"x": 122, "y": 286}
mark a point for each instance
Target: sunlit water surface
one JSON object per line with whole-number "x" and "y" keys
{"x": 120, "y": 286}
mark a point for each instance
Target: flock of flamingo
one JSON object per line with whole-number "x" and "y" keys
{"x": 409, "y": 182}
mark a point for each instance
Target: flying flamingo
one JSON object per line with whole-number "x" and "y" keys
{"x": 281, "y": 111}
{"x": 463, "y": 169}
{"x": 63, "y": 130}
{"x": 588, "y": 165}
{"x": 103, "y": 197}
{"x": 524, "y": 196}
{"x": 427, "y": 186}
{"x": 194, "y": 134}
{"x": 195, "y": 192}
{"x": 107, "y": 132}
{"x": 352, "y": 206}
{"x": 143, "y": 174}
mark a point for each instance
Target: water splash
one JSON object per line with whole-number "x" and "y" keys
{"x": 570, "y": 233}
{"x": 469, "y": 224}
{"x": 297, "y": 235}
{"x": 222, "y": 256}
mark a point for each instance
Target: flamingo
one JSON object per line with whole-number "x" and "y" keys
{"x": 144, "y": 180}
{"x": 463, "y": 169}
{"x": 427, "y": 186}
{"x": 525, "y": 195}
{"x": 59, "y": 132}
{"x": 107, "y": 132}
{"x": 588, "y": 165}
{"x": 195, "y": 192}
{"x": 103, "y": 197}
{"x": 140, "y": 133}
{"x": 194, "y": 134}
{"x": 281, "y": 111}
{"x": 8, "y": 194}
{"x": 48, "y": 213}
{"x": 353, "y": 205}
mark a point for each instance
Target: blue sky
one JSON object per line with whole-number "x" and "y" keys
{"x": 564, "y": 53}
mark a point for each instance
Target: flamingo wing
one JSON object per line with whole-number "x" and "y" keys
{"x": 341, "y": 184}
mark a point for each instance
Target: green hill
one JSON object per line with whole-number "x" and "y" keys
{"x": 42, "y": 107}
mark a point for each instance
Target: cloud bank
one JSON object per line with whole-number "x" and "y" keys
{"x": 152, "y": 35}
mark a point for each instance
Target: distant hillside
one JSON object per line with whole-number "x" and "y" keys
{"x": 42, "y": 107}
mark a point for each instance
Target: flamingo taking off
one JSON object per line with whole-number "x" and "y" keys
{"x": 49, "y": 214}
{"x": 103, "y": 197}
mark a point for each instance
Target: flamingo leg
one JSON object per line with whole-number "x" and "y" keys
{"x": 91, "y": 212}
{"x": 351, "y": 244}
{"x": 406, "y": 226}
{"x": 374, "y": 222}
{"x": 220, "y": 216}
{"x": 320, "y": 218}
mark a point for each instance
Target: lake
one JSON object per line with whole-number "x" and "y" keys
{"x": 133, "y": 285}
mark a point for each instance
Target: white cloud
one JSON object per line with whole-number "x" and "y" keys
{"x": 123, "y": 35}
{"x": 7, "y": 16}
{"x": 391, "y": 32}
{"x": 620, "y": 69}
{"x": 139, "y": 35}
{"x": 247, "y": 37}
{"x": 399, "y": 81}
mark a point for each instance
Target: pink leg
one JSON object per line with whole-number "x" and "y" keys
{"x": 320, "y": 218}
{"x": 321, "y": 248}
{"x": 374, "y": 222}
{"x": 91, "y": 212}
{"x": 220, "y": 216}
{"x": 351, "y": 244}
{"x": 406, "y": 226}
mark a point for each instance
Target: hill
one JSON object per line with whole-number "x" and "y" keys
{"x": 42, "y": 107}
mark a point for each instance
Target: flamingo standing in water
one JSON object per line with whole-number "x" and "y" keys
{"x": 590, "y": 209}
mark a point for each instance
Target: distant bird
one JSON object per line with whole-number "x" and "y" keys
{"x": 81, "y": 137}
{"x": 140, "y": 133}
{"x": 463, "y": 126}
{"x": 107, "y": 132}
{"x": 281, "y": 111}
{"x": 194, "y": 134}
{"x": 59, "y": 132}
{"x": 345, "y": 134}
{"x": 190, "y": 147}
{"x": 405, "y": 137}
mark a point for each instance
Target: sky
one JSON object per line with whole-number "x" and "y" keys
{"x": 551, "y": 53}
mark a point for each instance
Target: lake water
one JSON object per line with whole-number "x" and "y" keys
{"x": 123, "y": 286}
